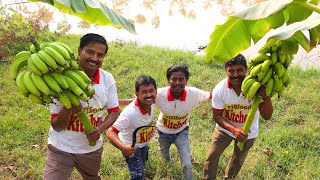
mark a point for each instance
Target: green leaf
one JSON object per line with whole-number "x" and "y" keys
{"x": 262, "y": 10}
{"x": 298, "y": 13}
{"x": 92, "y": 12}
{"x": 227, "y": 40}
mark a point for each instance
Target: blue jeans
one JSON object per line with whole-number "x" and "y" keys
{"x": 136, "y": 163}
{"x": 181, "y": 141}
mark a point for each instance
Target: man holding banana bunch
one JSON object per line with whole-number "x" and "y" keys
{"x": 68, "y": 141}
{"x": 230, "y": 109}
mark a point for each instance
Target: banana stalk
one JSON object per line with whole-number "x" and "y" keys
{"x": 251, "y": 114}
{"x": 83, "y": 117}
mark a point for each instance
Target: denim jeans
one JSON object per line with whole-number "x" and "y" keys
{"x": 181, "y": 141}
{"x": 136, "y": 163}
{"x": 220, "y": 141}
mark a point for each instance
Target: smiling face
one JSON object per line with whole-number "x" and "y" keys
{"x": 236, "y": 74}
{"x": 177, "y": 82}
{"x": 91, "y": 57}
{"x": 146, "y": 94}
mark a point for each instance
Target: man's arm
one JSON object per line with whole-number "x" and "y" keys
{"x": 61, "y": 120}
{"x": 225, "y": 123}
{"x": 113, "y": 137}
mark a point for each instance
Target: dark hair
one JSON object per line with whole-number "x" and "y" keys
{"x": 238, "y": 60}
{"x": 145, "y": 80}
{"x": 178, "y": 68}
{"x": 91, "y": 37}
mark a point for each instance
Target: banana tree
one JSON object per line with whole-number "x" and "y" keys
{"x": 92, "y": 12}
{"x": 270, "y": 65}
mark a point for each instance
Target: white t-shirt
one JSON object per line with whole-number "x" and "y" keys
{"x": 175, "y": 114}
{"x": 235, "y": 108}
{"x": 73, "y": 138}
{"x": 132, "y": 117}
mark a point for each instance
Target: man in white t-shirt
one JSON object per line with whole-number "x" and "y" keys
{"x": 175, "y": 103}
{"x": 137, "y": 114}
{"x": 68, "y": 146}
{"x": 230, "y": 110}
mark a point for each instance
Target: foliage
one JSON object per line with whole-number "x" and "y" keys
{"x": 287, "y": 146}
{"x": 252, "y": 24}
{"x": 92, "y": 12}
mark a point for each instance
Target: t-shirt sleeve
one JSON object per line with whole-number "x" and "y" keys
{"x": 217, "y": 100}
{"x": 122, "y": 122}
{"x": 202, "y": 95}
{"x": 113, "y": 102}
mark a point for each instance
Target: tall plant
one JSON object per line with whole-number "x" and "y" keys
{"x": 274, "y": 58}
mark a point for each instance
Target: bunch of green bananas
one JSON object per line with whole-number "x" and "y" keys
{"x": 48, "y": 71}
{"x": 268, "y": 69}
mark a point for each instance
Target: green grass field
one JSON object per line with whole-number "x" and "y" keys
{"x": 288, "y": 146}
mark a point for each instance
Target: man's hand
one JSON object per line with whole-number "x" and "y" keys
{"x": 128, "y": 150}
{"x": 93, "y": 135}
{"x": 240, "y": 135}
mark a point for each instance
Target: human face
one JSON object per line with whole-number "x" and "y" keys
{"x": 177, "y": 82}
{"x": 146, "y": 95}
{"x": 236, "y": 73}
{"x": 91, "y": 57}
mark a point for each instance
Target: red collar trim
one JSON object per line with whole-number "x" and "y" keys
{"x": 171, "y": 98}
{"x": 136, "y": 102}
{"x": 96, "y": 77}
{"x": 229, "y": 84}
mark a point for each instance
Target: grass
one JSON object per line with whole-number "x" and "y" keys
{"x": 287, "y": 146}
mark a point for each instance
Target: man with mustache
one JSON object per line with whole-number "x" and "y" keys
{"x": 175, "y": 103}
{"x": 138, "y": 113}
{"x": 68, "y": 146}
{"x": 230, "y": 109}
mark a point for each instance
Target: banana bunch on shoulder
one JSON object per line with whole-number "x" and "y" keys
{"x": 269, "y": 69}
{"x": 49, "y": 71}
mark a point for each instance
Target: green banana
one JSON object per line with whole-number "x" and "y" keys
{"x": 47, "y": 59}
{"x": 67, "y": 47}
{"x": 270, "y": 86}
{"x": 281, "y": 91}
{"x": 74, "y": 64}
{"x": 64, "y": 99}
{"x": 53, "y": 93}
{"x": 33, "y": 67}
{"x": 43, "y": 45}
{"x": 28, "y": 82}
{"x": 32, "y": 48}
{"x": 39, "y": 63}
{"x": 61, "y": 80}
{"x": 261, "y": 75}
{"x": 89, "y": 91}
{"x": 76, "y": 78}
{"x": 260, "y": 58}
{"x": 288, "y": 81}
{"x": 74, "y": 87}
{"x": 256, "y": 69}
{"x": 20, "y": 84}
{"x": 73, "y": 98}
{"x": 17, "y": 65}
{"x": 265, "y": 65}
{"x": 246, "y": 86}
{"x": 55, "y": 55}
{"x": 22, "y": 54}
{"x": 267, "y": 76}
{"x": 83, "y": 75}
{"x": 253, "y": 89}
{"x": 282, "y": 57}
{"x": 51, "y": 82}
{"x": 279, "y": 69}
{"x": 277, "y": 83}
{"x": 60, "y": 49}
{"x": 245, "y": 81}
{"x": 284, "y": 77}
{"x": 274, "y": 57}
{"x": 35, "y": 98}
{"x": 40, "y": 84}
{"x": 287, "y": 62}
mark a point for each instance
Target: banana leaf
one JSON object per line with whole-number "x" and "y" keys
{"x": 92, "y": 12}
{"x": 235, "y": 35}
